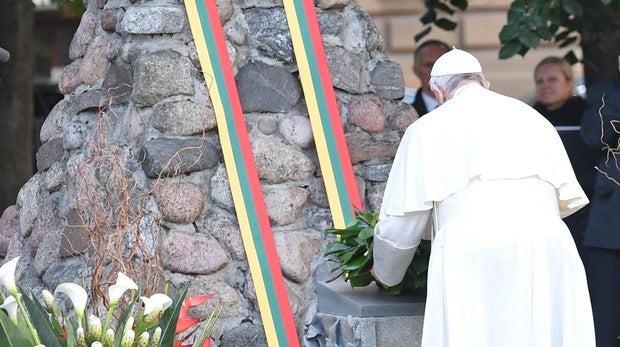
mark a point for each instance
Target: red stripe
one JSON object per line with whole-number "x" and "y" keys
{"x": 256, "y": 191}
{"x": 334, "y": 112}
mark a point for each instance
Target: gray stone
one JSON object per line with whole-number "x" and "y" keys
{"x": 284, "y": 205}
{"x": 277, "y": 162}
{"x": 225, "y": 10}
{"x": 297, "y": 130}
{"x": 48, "y": 251}
{"x": 172, "y": 157}
{"x": 153, "y": 19}
{"x": 269, "y": 33}
{"x": 118, "y": 83}
{"x": 330, "y": 23}
{"x": 376, "y": 173}
{"x": 360, "y": 33}
{"x": 367, "y": 112}
{"x": 95, "y": 63}
{"x": 74, "y": 135}
{"x": 226, "y": 230}
{"x": 345, "y": 68}
{"x": 180, "y": 202}
{"x": 192, "y": 253}
{"x": 88, "y": 101}
{"x": 159, "y": 75}
{"x": 318, "y": 194}
{"x": 183, "y": 118}
{"x": 75, "y": 236}
{"x": 374, "y": 196}
{"x": 49, "y": 153}
{"x": 83, "y": 36}
{"x": 267, "y": 126}
{"x": 297, "y": 251}
{"x": 401, "y": 117}
{"x": 245, "y": 335}
{"x": 55, "y": 121}
{"x": 70, "y": 77}
{"x": 9, "y": 227}
{"x": 267, "y": 88}
{"x": 28, "y": 203}
{"x": 363, "y": 147}
{"x": 388, "y": 81}
{"x": 319, "y": 219}
{"x": 220, "y": 189}
{"x": 68, "y": 270}
{"x": 329, "y": 4}
{"x": 55, "y": 177}
{"x": 110, "y": 19}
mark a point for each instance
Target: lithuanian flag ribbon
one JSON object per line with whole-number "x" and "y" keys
{"x": 244, "y": 182}
{"x": 331, "y": 145}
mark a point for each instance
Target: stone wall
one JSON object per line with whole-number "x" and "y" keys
{"x": 131, "y": 177}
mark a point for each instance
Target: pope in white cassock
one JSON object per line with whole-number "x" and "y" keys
{"x": 490, "y": 177}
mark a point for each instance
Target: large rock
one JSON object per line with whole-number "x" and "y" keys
{"x": 192, "y": 253}
{"x": 172, "y": 157}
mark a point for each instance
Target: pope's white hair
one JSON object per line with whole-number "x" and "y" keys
{"x": 449, "y": 83}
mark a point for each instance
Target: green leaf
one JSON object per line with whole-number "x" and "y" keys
{"x": 568, "y": 41}
{"x": 10, "y": 334}
{"x": 529, "y": 39}
{"x": 570, "y": 57}
{"x": 508, "y": 32}
{"x": 366, "y": 233}
{"x": 460, "y": 4}
{"x": 361, "y": 280}
{"x": 171, "y": 316}
{"x": 41, "y": 322}
{"x": 445, "y": 24}
{"x": 356, "y": 263}
{"x": 421, "y": 34}
{"x": 444, "y": 8}
{"x": 428, "y": 17}
{"x": 333, "y": 248}
{"x": 509, "y": 49}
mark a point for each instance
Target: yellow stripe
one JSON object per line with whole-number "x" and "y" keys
{"x": 315, "y": 118}
{"x": 235, "y": 186}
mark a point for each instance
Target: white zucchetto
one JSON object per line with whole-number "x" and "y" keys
{"x": 455, "y": 62}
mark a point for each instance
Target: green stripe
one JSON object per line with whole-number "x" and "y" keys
{"x": 242, "y": 177}
{"x": 345, "y": 200}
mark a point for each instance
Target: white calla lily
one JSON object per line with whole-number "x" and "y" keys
{"x": 155, "y": 303}
{"x": 123, "y": 283}
{"x": 78, "y": 297}
{"x": 7, "y": 275}
{"x": 10, "y": 306}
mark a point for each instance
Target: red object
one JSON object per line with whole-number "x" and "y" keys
{"x": 185, "y": 321}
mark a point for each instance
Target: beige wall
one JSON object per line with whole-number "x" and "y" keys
{"x": 477, "y": 31}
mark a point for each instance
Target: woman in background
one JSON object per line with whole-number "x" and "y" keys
{"x": 554, "y": 92}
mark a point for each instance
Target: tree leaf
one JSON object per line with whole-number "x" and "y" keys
{"x": 509, "y": 32}
{"x": 444, "y": 8}
{"x": 460, "y": 4}
{"x": 568, "y": 41}
{"x": 510, "y": 49}
{"x": 529, "y": 39}
{"x": 571, "y": 58}
{"x": 445, "y": 24}
{"x": 421, "y": 34}
{"x": 429, "y": 17}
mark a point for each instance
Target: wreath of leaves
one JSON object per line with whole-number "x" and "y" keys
{"x": 352, "y": 248}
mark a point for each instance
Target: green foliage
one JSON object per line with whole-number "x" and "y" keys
{"x": 530, "y": 22}
{"x": 352, "y": 249}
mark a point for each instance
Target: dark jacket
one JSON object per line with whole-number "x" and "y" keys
{"x": 603, "y": 230}
{"x": 569, "y": 114}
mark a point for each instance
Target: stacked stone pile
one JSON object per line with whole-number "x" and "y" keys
{"x": 135, "y": 140}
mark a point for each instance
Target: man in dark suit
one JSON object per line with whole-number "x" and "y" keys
{"x": 602, "y": 236}
{"x": 425, "y": 55}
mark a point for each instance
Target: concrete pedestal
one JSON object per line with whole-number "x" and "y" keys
{"x": 365, "y": 317}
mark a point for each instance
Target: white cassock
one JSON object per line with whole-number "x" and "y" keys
{"x": 493, "y": 177}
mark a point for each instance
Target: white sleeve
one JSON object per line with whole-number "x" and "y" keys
{"x": 396, "y": 239}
